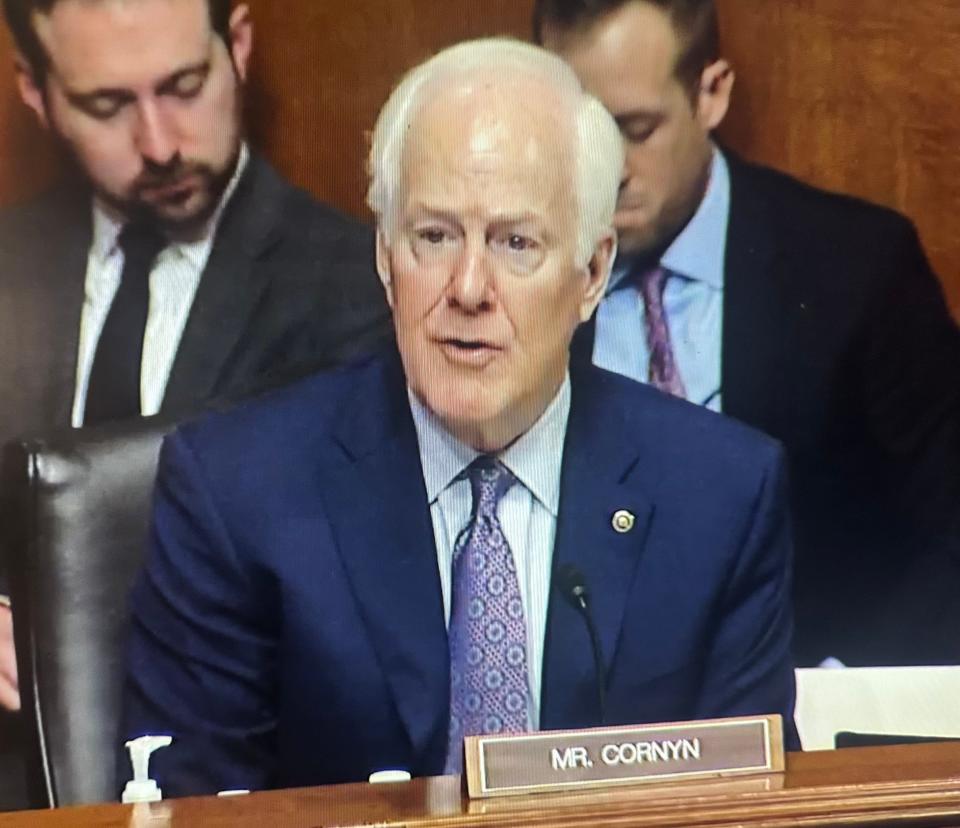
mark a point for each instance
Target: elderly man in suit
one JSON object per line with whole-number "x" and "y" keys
{"x": 356, "y": 572}
{"x": 180, "y": 266}
{"x": 811, "y": 316}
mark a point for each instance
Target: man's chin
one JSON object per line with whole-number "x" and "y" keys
{"x": 635, "y": 240}
{"x": 186, "y": 221}
{"x": 463, "y": 411}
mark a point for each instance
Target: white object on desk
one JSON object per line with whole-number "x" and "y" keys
{"x": 388, "y": 776}
{"x": 142, "y": 788}
{"x": 893, "y": 701}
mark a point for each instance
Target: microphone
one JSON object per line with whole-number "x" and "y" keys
{"x": 573, "y": 586}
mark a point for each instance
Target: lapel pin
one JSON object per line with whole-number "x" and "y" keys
{"x": 623, "y": 521}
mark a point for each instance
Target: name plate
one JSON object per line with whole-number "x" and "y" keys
{"x": 603, "y": 757}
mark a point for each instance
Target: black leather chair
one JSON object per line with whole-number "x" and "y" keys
{"x": 76, "y": 514}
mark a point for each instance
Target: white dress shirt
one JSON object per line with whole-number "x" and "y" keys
{"x": 527, "y": 512}
{"x": 174, "y": 280}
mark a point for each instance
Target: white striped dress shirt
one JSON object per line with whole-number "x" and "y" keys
{"x": 528, "y": 512}
{"x": 174, "y": 280}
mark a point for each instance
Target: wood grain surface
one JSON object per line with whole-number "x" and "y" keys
{"x": 903, "y": 785}
{"x": 859, "y": 97}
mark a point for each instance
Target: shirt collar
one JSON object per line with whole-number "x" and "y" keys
{"x": 535, "y": 459}
{"x": 699, "y": 252}
{"x": 107, "y": 224}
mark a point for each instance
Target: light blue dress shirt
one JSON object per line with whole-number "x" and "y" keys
{"x": 692, "y": 298}
{"x": 528, "y": 512}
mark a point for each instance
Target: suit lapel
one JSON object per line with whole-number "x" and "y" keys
{"x": 69, "y": 286}
{"x": 50, "y": 324}
{"x": 378, "y": 506}
{"x": 597, "y": 481}
{"x": 231, "y": 286}
{"x": 753, "y": 303}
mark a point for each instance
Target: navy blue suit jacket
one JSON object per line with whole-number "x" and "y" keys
{"x": 288, "y": 627}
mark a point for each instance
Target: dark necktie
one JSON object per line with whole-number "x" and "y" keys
{"x": 113, "y": 392}
{"x": 487, "y": 633}
{"x": 663, "y": 372}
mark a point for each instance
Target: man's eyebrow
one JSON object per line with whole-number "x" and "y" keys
{"x": 78, "y": 96}
{"x": 422, "y": 212}
{"x": 647, "y": 115}
{"x": 419, "y": 211}
{"x": 521, "y": 217}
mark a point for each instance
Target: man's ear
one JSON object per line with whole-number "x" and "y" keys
{"x": 241, "y": 39}
{"x": 598, "y": 275}
{"x": 716, "y": 89}
{"x": 30, "y": 92}
{"x": 383, "y": 265}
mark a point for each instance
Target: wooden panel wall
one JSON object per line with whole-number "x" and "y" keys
{"x": 859, "y": 96}
{"x": 323, "y": 74}
{"x": 27, "y": 159}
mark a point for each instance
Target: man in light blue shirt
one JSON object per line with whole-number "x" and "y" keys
{"x": 812, "y": 316}
{"x": 692, "y": 298}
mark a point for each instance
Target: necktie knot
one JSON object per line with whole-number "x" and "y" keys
{"x": 651, "y": 283}
{"x": 490, "y": 480}
{"x": 140, "y": 245}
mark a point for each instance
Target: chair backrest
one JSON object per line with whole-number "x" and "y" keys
{"x": 886, "y": 701}
{"x": 77, "y": 509}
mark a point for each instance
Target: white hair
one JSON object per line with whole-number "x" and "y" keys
{"x": 598, "y": 147}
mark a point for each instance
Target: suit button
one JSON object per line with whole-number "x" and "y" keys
{"x": 623, "y": 521}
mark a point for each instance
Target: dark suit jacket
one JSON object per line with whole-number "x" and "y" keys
{"x": 837, "y": 342}
{"x": 288, "y": 628}
{"x": 289, "y": 281}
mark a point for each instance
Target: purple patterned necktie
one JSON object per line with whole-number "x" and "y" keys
{"x": 487, "y": 633}
{"x": 663, "y": 372}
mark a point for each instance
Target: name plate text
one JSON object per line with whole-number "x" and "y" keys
{"x": 603, "y": 757}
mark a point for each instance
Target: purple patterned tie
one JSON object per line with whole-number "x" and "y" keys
{"x": 663, "y": 371}
{"x": 487, "y": 634}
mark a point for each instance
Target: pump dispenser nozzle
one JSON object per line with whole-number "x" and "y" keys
{"x": 142, "y": 788}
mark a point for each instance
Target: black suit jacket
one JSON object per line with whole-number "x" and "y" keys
{"x": 290, "y": 286}
{"x": 837, "y": 341}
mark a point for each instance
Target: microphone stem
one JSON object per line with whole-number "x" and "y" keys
{"x": 597, "y": 658}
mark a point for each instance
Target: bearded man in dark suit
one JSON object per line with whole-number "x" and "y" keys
{"x": 178, "y": 266}
{"x": 814, "y": 317}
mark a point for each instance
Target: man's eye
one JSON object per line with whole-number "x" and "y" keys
{"x": 519, "y": 243}
{"x": 103, "y": 108}
{"x": 188, "y": 86}
{"x": 639, "y": 134}
{"x": 432, "y": 235}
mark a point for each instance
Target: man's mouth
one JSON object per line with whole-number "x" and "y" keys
{"x": 170, "y": 191}
{"x": 475, "y": 352}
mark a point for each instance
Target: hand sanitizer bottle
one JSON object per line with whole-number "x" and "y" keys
{"x": 142, "y": 788}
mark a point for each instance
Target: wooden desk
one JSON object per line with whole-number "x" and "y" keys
{"x": 909, "y": 785}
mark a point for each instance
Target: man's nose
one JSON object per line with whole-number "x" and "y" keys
{"x": 156, "y": 136}
{"x": 471, "y": 286}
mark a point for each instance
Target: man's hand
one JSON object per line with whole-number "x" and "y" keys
{"x": 9, "y": 688}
